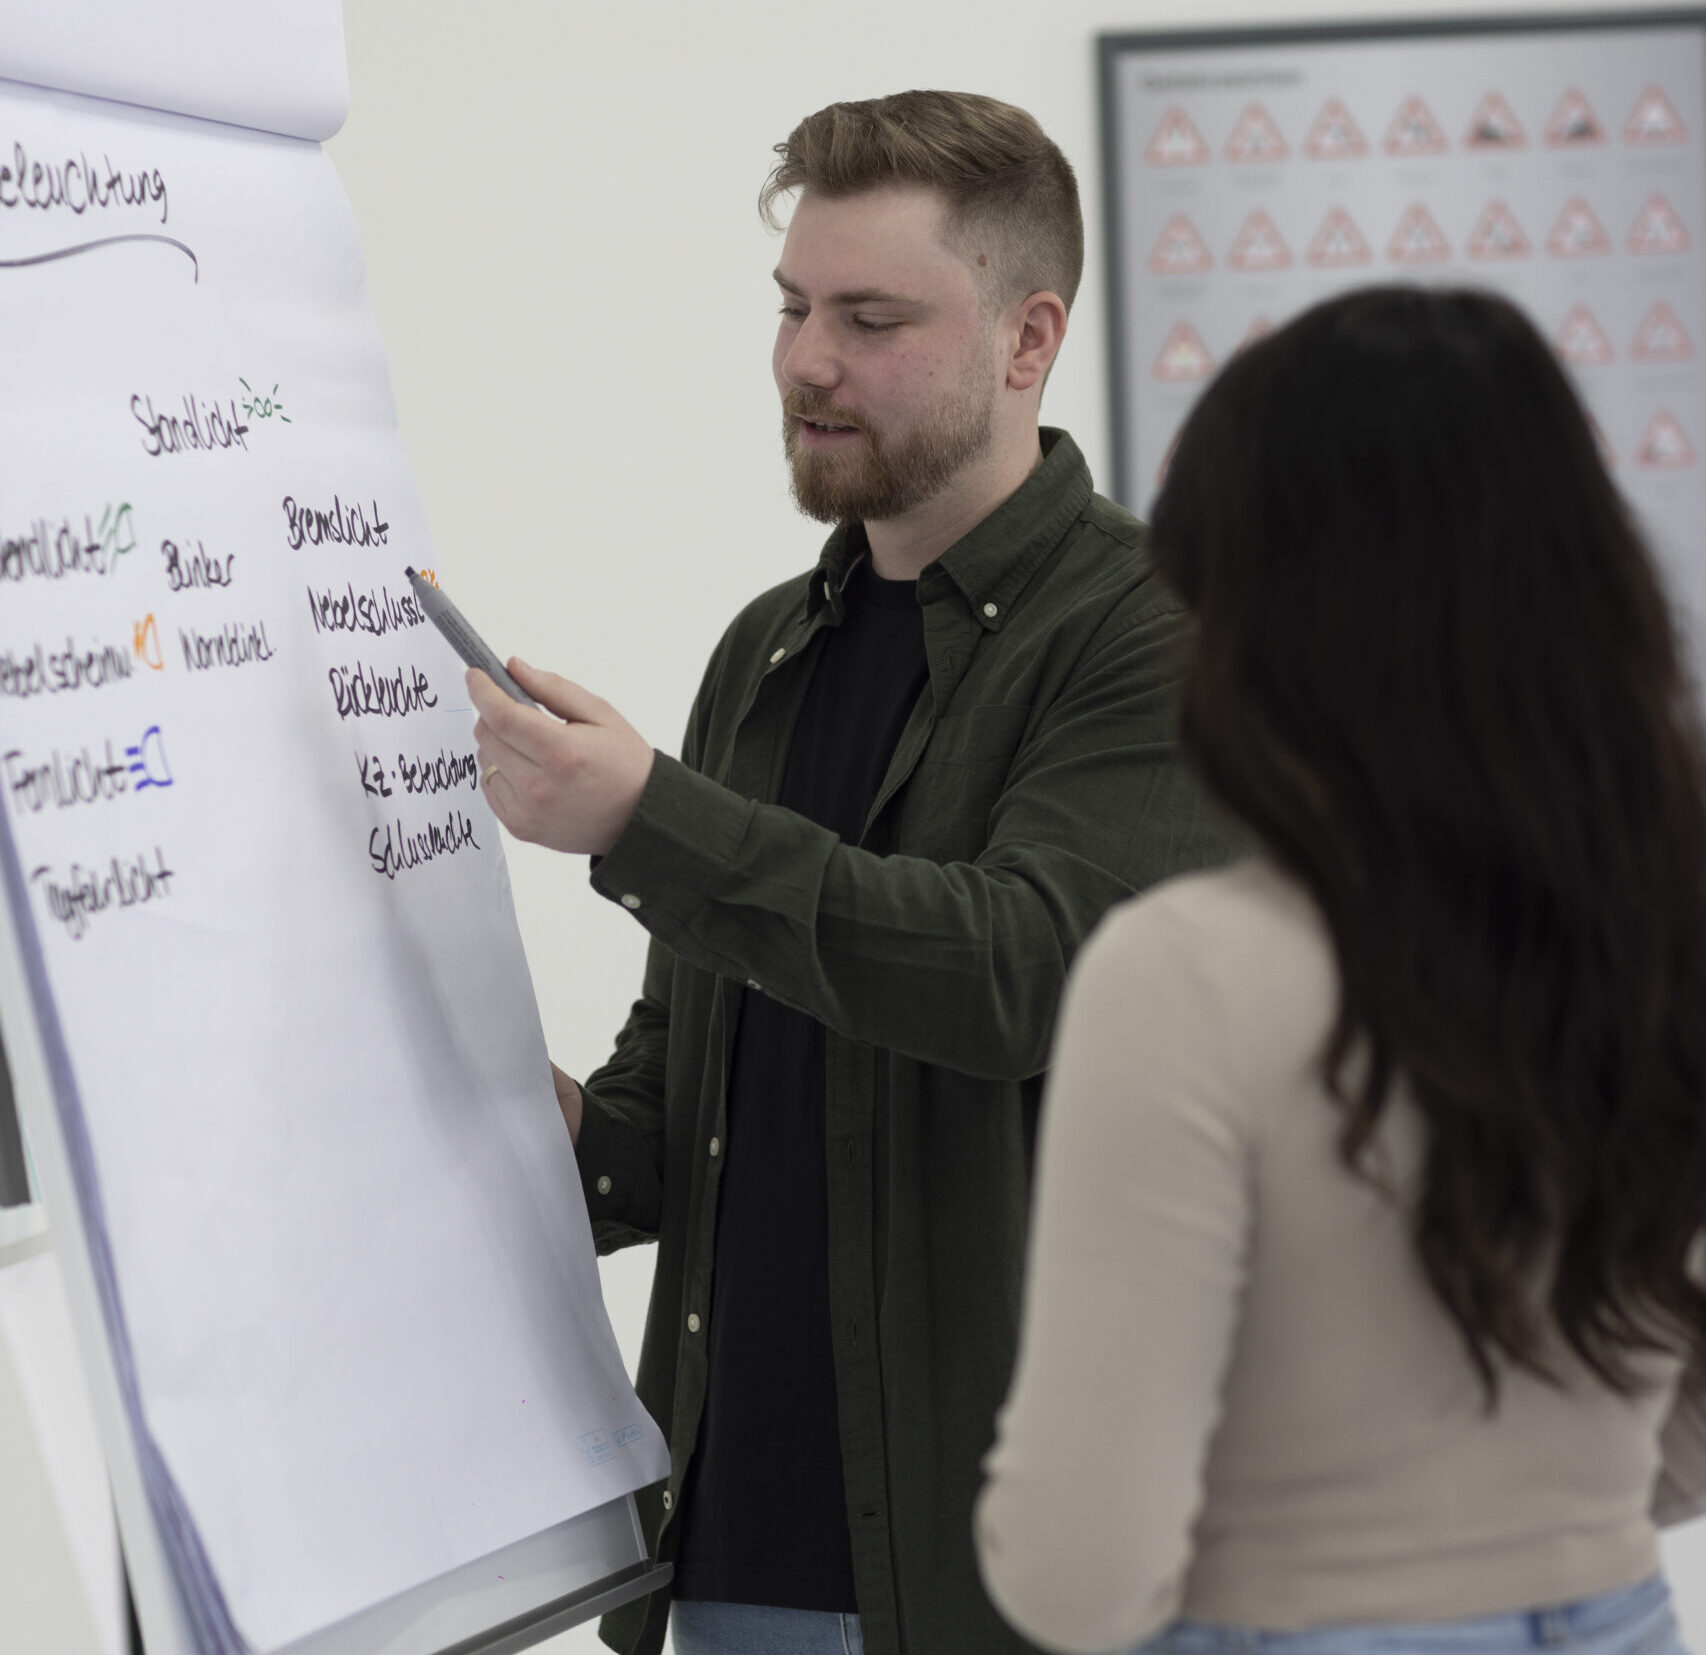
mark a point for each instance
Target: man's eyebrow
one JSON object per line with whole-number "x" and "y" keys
{"x": 853, "y": 296}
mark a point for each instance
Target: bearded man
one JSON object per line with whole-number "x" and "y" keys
{"x": 913, "y": 780}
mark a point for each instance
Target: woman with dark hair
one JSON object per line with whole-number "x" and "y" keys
{"x": 1365, "y": 1307}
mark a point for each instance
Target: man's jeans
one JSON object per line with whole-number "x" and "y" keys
{"x": 752, "y": 1629}
{"x": 1634, "y": 1620}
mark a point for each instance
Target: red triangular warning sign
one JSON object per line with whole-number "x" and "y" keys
{"x": 1259, "y": 245}
{"x": 1334, "y": 136}
{"x": 1663, "y": 445}
{"x": 1497, "y": 235}
{"x": 1657, "y": 228}
{"x": 1255, "y": 138}
{"x": 1418, "y": 238}
{"x": 1661, "y": 337}
{"x": 1494, "y": 125}
{"x": 1577, "y": 234}
{"x": 1183, "y": 355}
{"x": 1338, "y": 243}
{"x": 1176, "y": 143}
{"x": 1574, "y": 122}
{"x": 1180, "y": 251}
{"x": 1655, "y": 121}
{"x": 1582, "y": 340}
{"x": 1414, "y": 131}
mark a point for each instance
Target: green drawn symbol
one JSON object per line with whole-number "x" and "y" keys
{"x": 118, "y": 534}
{"x": 262, "y": 405}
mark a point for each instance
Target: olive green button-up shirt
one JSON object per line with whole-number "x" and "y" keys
{"x": 1036, "y": 783}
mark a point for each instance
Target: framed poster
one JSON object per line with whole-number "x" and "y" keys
{"x": 1560, "y": 161}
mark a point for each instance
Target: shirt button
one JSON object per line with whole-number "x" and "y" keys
{"x": 629, "y": 900}
{"x": 777, "y": 656}
{"x": 693, "y": 1322}
{"x": 826, "y": 591}
{"x": 991, "y": 610}
{"x": 668, "y": 1500}
{"x": 604, "y": 1185}
{"x": 716, "y": 1147}
{"x": 752, "y": 983}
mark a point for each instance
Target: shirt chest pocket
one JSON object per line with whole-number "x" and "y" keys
{"x": 945, "y": 806}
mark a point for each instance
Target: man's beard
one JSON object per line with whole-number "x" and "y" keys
{"x": 882, "y": 476}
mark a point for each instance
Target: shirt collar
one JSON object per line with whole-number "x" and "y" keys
{"x": 990, "y": 565}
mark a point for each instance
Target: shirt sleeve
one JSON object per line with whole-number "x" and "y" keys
{"x": 1137, "y": 1262}
{"x": 954, "y": 963}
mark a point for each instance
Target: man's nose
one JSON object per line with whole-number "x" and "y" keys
{"x": 810, "y": 360}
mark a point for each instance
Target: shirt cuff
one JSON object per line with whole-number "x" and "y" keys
{"x": 676, "y": 849}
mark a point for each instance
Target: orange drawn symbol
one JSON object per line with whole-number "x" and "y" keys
{"x": 1497, "y": 235}
{"x": 1176, "y": 143}
{"x": 146, "y": 642}
{"x": 1334, "y": 136}
{"x": 1577, "y": 234}
{"x": 1418, "y": 238}
{"x": 1582, "y": 340}
{"x": 1255, "y": 138}
{"x": 1573, "y": 122}
{"x": 1494, "y": 125}
{"x": 1655, "y": 121}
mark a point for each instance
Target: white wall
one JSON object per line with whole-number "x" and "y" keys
{"x": 556, "y": 203}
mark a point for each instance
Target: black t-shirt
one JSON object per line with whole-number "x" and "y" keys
{"x": 764, "y": 1510}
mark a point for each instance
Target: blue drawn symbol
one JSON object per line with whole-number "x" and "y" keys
{"x": 148, "y": 760}
{"x": 625, "y": 1434}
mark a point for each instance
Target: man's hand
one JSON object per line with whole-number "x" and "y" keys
{"x": 568, "y": 1100}
{"x": 571, "y": 785}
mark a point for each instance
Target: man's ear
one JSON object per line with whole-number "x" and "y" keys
{"x": 1039, "y": 326}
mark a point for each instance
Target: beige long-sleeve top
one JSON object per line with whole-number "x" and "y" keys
{"x": 1236, "y": 1398}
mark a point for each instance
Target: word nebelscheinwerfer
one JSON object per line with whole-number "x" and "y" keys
{"x": 43, "y": 671}
{"x": 78, "y": 184}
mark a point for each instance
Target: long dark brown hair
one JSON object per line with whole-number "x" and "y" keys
{"x": 1435, "y": 671}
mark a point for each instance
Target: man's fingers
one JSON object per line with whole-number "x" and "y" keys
{"x": 560, "y": 695}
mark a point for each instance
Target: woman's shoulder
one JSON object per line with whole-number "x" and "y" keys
{"x": 1246, "y": 940}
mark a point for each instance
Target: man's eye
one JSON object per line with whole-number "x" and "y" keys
{"x": 873, "y": 324}
{"x": 793, "y": 310}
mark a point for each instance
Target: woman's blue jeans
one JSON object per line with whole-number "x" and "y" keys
{"x": 752, "y": 1629}
{"x": 1634, "y": 1620}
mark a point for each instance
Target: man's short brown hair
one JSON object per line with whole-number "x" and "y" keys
{"x": 1011, "y": 195}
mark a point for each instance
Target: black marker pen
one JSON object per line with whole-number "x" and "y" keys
{"x": 464, "y": 639}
